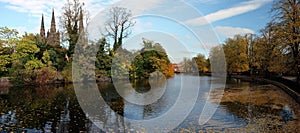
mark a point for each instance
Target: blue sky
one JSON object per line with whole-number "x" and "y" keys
{"x": 179, "y": 19}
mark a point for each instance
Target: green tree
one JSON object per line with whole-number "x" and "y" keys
{"x": 33, "y": 64}
{"x": 4, "y": 59}
{"x": 42, "y": 45}
{"x": 46, "y": 58}
{"x": 84, "y": 60}
{"x": 9, "y": 38}
{"x": 26, "y": 49}
{"x": 56, "y": 53}
{"x": 152, "y": 58}
{"x": 57, "y": 57}
{"x": 201, "y": 62}
{"x": 72, "y": 22}
{"x": 136, "y": 70}
{"x": 24, "y": 61}
{"x": 208, "y": 65}
{"x": 103, "y": 59}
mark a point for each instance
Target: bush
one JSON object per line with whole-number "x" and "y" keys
{"x": 46, "y": 75}
{"x": 67, "y": 73}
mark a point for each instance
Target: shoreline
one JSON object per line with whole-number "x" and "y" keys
{"x": 295, "y": 95}
{"x": 5, "y": 82}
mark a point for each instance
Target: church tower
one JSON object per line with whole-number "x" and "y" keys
{"x": 81, "y": 29}
{"x": 82, "y": 34}
{"x": 42, "y": 30}
{"x": 53, "y": 36}
{"x": 53, "y": 25}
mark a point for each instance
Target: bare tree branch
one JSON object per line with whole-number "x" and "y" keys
{"x": 119, "y": 25}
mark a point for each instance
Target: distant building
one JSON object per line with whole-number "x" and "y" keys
{"x": 53, "y": 36}
{"x": 177, "y": 68}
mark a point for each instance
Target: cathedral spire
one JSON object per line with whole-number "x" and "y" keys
{"x": 42, "y": 30}
{"x": 52, "y": 37}
{"x": 53, "y": 26}
{"x": 81, "y": 22}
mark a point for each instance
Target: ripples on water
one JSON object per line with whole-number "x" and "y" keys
{"x": 245, "y": 107}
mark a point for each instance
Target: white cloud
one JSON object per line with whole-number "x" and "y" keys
{"x": 32, "y": 7}
{"x": 139, "y": 6}
{"x": 208, "y": 1}
{"x": 229, "y": 32}
{"x": 16, "y": 8}
{"x": 227, "y": 13}
{"x": 35, "y": 8}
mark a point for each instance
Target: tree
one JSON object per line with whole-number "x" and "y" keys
{"x": 208, "y": 65}
{"x": 26, "y": 49}
{"x": 201, "y": 63}
{"x": 269, "y": 51}
{"x": 24, "y": 61}
{"x": 46, "y": 58}
{"x": 217, "y": 59}
{"x": 152, "y": 58}
{"x": 251, "y": 41}
{"x": 118, "y": 25}
{"x": 9, "y": 38}
{"x": 188, "y": 65}
{"x": 103, "y": 60}
{"x": 56, "y": 53}
{"x": 4, "y": 59}
{"x": 85, "y": 62}
{"x": 72, "y": 22}
{"x": 287, "y": 18}
{"x": 236, "y": 54}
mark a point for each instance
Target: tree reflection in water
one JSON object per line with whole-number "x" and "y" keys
{"x": 56, "y": 109}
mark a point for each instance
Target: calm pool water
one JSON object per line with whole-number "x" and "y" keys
{"x": 245, "y": 107}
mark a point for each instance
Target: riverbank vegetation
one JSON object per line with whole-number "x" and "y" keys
{"x": 273, "y": 52}
{"x": 153, "y": 58}
{"x": 32, "y": 59}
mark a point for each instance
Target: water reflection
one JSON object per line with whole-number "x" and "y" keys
{"x": 259, "y": 108}
{"x": 245, "y": 106}
{"x": 40, "y": 109}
